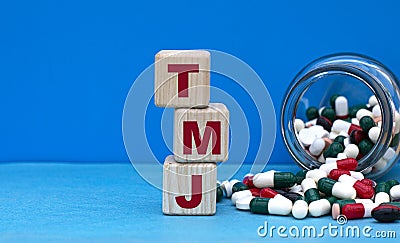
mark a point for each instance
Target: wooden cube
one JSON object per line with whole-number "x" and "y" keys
{"x": 201, "y": 135}
{"x": 182, "y": 78}
{"x": 189, "y": 188}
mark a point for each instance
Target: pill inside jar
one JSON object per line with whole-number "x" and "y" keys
{"x": 340, "y": 107}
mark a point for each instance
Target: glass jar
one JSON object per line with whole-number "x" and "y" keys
{"x": 357, "y": 78}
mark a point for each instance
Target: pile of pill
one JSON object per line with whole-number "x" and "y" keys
{"x": 336, "y": 190}
{"x": 339, "y": 131}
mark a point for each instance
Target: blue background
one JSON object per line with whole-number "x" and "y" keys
{"x": 67, "y": 66}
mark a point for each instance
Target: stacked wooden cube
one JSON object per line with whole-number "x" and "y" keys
{"x": 201, "y": 132}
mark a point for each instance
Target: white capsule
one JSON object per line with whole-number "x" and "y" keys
{"x": 308, "y": 183}
{"x": 231, "y": 183}
{"x": 363, "y": 112}
{"x": 374, "y": 133}
{"x": 382, "y": 197}
{"x": 389, "y": 154}
{"x": 316, "y": 174}
{"x": 329, "y": 161}
{"x": 341, "y": 156}
{"x": 357, "y": 175}
{"x": 279, "y": 206}
{"x": 317, "y": 146}
{"x": 355, "y": 121}
{"x": 343, "y": 191}
{"x": 395, "y": 192}
{"x": 298, "y": 125}
{"x": 351, "y": 151}
{"x": 372, "y": 101}
{"x": 240, "y": 195}
{"x": 341, "y": 106}
{"x": 226, "y": 187}
{"x": 376, "y": 111}
{"x": 319, "y": 208}
{"x": 265, "y": 179}
{"x": 306, "y": 137}
{"x": 244, "y": 203}
{"x": 300, "y": 209}
{"x": 327, "y": 167}
{"x": 346, "y": 179}
{"x": 341, "y": 126}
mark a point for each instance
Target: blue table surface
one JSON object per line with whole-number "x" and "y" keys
{"x": 108, "y": 202}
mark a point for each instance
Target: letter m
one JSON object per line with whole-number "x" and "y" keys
{"x": 191, "y": 128}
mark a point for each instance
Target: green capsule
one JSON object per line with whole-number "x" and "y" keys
{"x": 332, "y": 100}
{"x": 220, "y": 193}
{"x": 354, "y": 109}
{"x": 300, "y": 175}
{"x": 329, "y": 113}
{"x": 367, "y": 123}
{"x": 331, "y": 199}
{"x": 392, "y": 183}
{"x": 345, "y": 201}
{"x": 312, "y": 113}
{"x": 239, "y": 186}
{"x": 284, "y": 179}
{"x": 365, "y": 146}
{"x": 382, "y": 187}
{"x": 333, "y": 150}
{"x": 312, "y": 195}
{"x": 340, "y": 139}
{"x": 325, "y": 185}
{"x": 259, "y": 205}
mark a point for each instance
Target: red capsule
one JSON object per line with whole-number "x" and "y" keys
{"x": 368, "y": 182}
{"x": 268, "y": 193}
{"x": 357, "y": 210}
{"x": 347, "y": 164}
{"x": 248, "y": 181}
{"x": 386, "y": 213}
{"x": 353, "y": 128}
{"x": 255, "y": 191}
{"x": 336, "y": 173}
{"x": 357, "y": 136}
{"x": 364, "y": 191}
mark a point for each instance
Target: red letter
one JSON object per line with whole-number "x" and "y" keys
{"x": 195, "y": 199}
{"x": 183, "y": 71}
{"x": 191, "y": 127}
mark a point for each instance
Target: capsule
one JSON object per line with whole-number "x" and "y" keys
{"x": 300, "y": 175}
{"x": 358, "y": 210}
{"x": 298, "y": 125}
{"x": 357, "y": 136}
{"x": 248, "y": 180}
{"x": 336, "y": 173}
{"x": 300, "y": 208}
{"x": 382, "y": 193}
{"x": 386, "y": 213}
{"x": 317, "y": 146}
{"x": 338, "y": 205}
{"x": 369, "y": 182}
{"x": 239, "y": 186}
{"x": 351, "y": 151}
{"x": 274, "y": 179}
{"x": 366, "y": 123}
{"x": 244, "y": 203}
{"x": 271, "y": 193}
{"x": 395, "y": 192}
{"x": 337, "y": 189}
{"x": 321, "y": 207}
{"x": 255, "y": 191}
{"x": 310, "y": 190}
{"x": 220, "y": 193}
{"x": 312, "y": 113}
{"x": 344, "y": 126}
{"x": 344, "y": 164}
{"x": 240, "y": 195}
{"x": 316, "y": 174}
{"x": 363, "y": 191}
{"x": 362, "y": 113}
{"x": 341, "y": 107}
{"x": 226, "y": 188}
{"x": 270, "y": 206}
{"x": 325, "y": 123}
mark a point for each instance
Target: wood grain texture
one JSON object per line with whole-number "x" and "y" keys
{"x": 177, "y": 182}
{"x": 214, "y": 112}
{"x": 166, "y": 83}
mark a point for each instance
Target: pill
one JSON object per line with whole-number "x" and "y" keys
{"x": 248, "y": 180}
{"x": 325, "y": 123}
{"x": 321, "y": 207}
{"x": 376, "y": 111}
{"x": 367, "y": 123}
{"x": 386, "y": 213}
{"x": 355, "y": 121}
{"x": 358, "y": 210}
{"x": 240, "y": 195}
{"x": 270, "y": 206}
{"x": 345, "y": 164}
{"x": 374, "y": 133}
{"x": 274, "y": 179}
{"x": 369, "y": 182}
{"x": 365, "y": 146}
{"x": 312, "y": 113}
{"x": 372, "y": 101}
{"x": 317, "y": 146}
{"x": 332, "y": 100}
{"x": 395, "y": 192}
{"x": 226, "y": 187}
{"x": 220, "y": 193}
{"x": 363, "y": 190}
{"x": 255, "y": 191}
{"x": 392, "y": 183}
{"x": 351, "y": 151}
{"x": 338, "y": 205}
{"x": 329, "y": 113}
{"x": 340, "y": 139}
{"x": 363, "y": 112}
{"x": 244, "y": 203}
{"x": 336, "y": 173}
{"x": 336, "y": 189}
{"x": 300, "y": 175}
{"x": 310, "y": 190}
{"x": 341, "y": 107}
{"x": 300, "y": 209}
{"x": 333, "y": 150}
{"x": 341, "y": 155}
{"x": 357, "y": 136}
{"x": 239, "y": 186}
{"x": 316, "y": 174}
{"x": 298, "y": 125}
{"x": 382, "y": 193}
{"x": 344, "y": 126}
{"x": 271, "y": 193}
